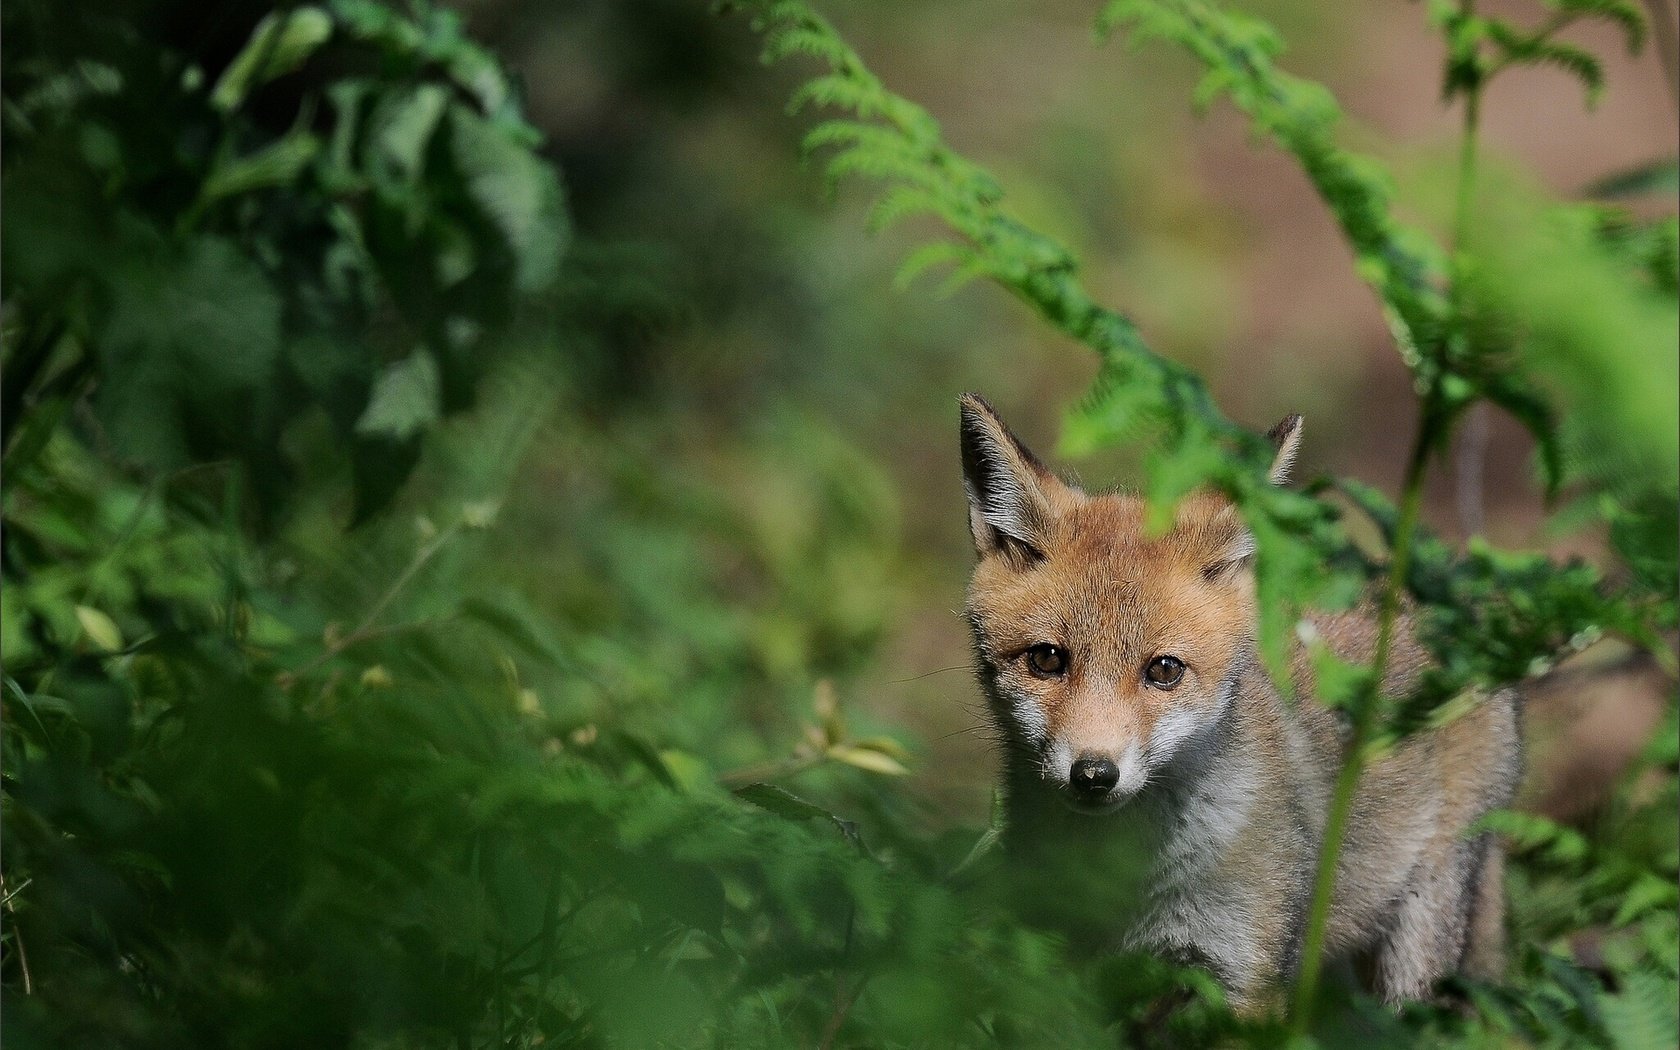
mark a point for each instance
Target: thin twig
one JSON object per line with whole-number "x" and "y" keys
{"x": 764, "y": 771}
{"x": 17, "y": 935}
{"x": 843, "y": 998}
{"x": 367, "y": 630}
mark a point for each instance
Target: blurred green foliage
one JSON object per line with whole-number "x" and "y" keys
{"x": 273, "y": 780}
{"x": 209, "y": 270}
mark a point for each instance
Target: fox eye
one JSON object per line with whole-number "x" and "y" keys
{"x": 1164, "y": 671}
{"x": 1047, "y": 661}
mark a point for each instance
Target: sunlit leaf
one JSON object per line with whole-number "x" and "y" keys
{"x": 100, "y": 628}
{"x": 405, "y": 399}
{"x": 279, "y": 44}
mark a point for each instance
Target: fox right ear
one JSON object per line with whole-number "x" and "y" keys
{"x": 1286, "y": 438}
{"x": 1008, "y": 506}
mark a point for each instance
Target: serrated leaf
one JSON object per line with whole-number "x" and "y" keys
{"x": 1647, "y": 893}
{"x": 192, "y": 346}
{"x": 1641, "y": 1016}
{"x": 517, "y": 192}
{"x": 782, "y": 802}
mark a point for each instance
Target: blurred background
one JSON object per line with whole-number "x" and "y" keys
{"x": 1212, "y": 240}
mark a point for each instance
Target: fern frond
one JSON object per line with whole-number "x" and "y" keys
{"x": 1539, "y": 49}
{"x": 1624, "y": 14}
{"x": 1406, "y": 269}
{"x": 1640, "y": 1016}
{"x": 837, "y": 133}
{"x": 1578, "y": 62}
{"x": 886, "y": 160}
{"x": 892, "y": 140}
{"x": 1532, "y": 833}
{"x": 803, "y": 36}
{"x": 901, "y": 202}
{"x": 838, "y": 91}
{"x": 919, "y": 261}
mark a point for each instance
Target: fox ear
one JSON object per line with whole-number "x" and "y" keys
{"x": 1008, "y": 507}
{"x": 1232, "y": 547}
{"x": 1286, "y": 438}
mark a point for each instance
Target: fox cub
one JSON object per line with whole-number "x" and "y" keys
{"x": 1142, "y": 740}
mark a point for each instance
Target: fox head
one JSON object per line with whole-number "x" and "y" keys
{"x": 1107, "y": 654}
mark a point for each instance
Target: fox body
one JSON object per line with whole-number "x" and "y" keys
{"x": 1142, "y": 739}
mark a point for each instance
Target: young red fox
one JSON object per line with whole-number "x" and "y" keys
{"x": 1131, "y": 707}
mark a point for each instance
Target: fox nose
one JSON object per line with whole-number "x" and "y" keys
{"x": 1093, "y": 777}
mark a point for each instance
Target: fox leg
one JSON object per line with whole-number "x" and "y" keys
{"x": 1484, "y": 948}
{"x": 1430, "y": 931}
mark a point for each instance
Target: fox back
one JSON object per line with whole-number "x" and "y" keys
{"x": 1153, "y": 771}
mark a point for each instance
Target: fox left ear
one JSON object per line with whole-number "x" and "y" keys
{"x": 1233, "y": 547}
{"x": 1286, "y": 438}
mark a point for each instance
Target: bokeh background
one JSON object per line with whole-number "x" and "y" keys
{"x": 1211, "y": 239}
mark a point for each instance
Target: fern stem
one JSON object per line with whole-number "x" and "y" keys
{"x": 1364, "y": 719}
{"x": 1432, "y": 428}
{"x": 1466, "y": 162}
{"x": 1471, "y": 464}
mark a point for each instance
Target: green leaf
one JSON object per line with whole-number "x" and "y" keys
{"x": 782, "y": 802}
{"x": 100, "y": 628}
{"x": 1641, "y": 1015}
{"x": 190, "y": 353}
{"x": 277, "y": 164}
{"x": 867, "y": 759}
{"x": 1658, "y": 177}
{"x": 279, "y": 44}
{"x": 517, "y": 192}
{"x": 405, "y": 399}
{"x": 884, "y": 744}
{"x": 1648, "y": 893}
{"x": 400, "y": 126}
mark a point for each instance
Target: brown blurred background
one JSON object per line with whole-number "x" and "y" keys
{"x": 1211, "y": 239}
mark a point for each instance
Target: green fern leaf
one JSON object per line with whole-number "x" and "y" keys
{"x": 1624, "y": 14}
{"x": 1641, "y": 1015}
{"x": 901, "y": 202}
{"x": 924, "y": 258}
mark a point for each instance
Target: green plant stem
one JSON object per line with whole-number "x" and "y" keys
{"x": 1472, "y": 458}
{"x": 1466, "y": 169}
{"x": 1364, "y": 718}
{"x": 1432, "y": 426}
{"x": 768, "y": 771}
{"x": 367, "y": 628}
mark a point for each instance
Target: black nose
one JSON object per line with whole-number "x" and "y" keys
{"x": 1094, "y": 777}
